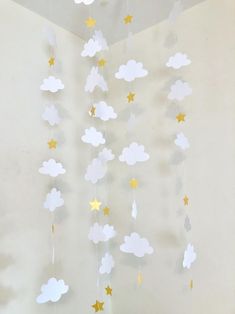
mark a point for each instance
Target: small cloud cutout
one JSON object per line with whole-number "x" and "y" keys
{"x": 100, "y": 233}
{"x": 182, "y": 141}
{"x": 133, "y": 154}
{"x": 51, "y": 84}
{"x": 178, "y": 61}
{"x": 98, "y": 36}
{"x": 93, "y": 137}
{"x": 179, "y": 90}
{"x": 50, "y": 35}
{"x": 91, "y": 48}
{"x": 95, "y": 79}
{"x": 134, "y": 210}
{"x": 104, "y": 112}
{"x": 52, "y": 168}
{"x": 106, "y": 155}
{"x": 51, "y": 115}
{"x": 130, "y": 71}
{"x": 136, "y": 245}
{"x": 53, "y": 200}
{"x": 107, "y": 264}
{"x": 189, "y": 256}
{"x": 52, "y": 291}
{"x": 86, "y": 2}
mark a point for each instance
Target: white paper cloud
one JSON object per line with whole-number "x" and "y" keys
{"x": 51, "y": 115}
{"x": 178, "y": 61}
{"x": 53, "y": 200}
{"x": 100, "y": 233}
{"x": 107, "y": 264}
{"x": 134, "y": 210}
{"x": 98, "y": 36}
{"x": 93, "y": 137}
{"x": 86, "y": 2}
{"x": 106, "y": 155}
{"x": 104, "y": 112}
{"x": 50, "y": 35}
{"x": 52, "y": 168}
{"x": 182, "y": 141}
{"x": 189, "y": 256}
{"x": 91, "y": 48}
{"x": 136, "y": 245}
{"x": 133, "y": 154}
{"x": 130, "y": 71}
{"x": 52, "y": 291}
{"x": 51, "y": 84}
{"x": 95, "y": 79}
{"x": 179, "y": 90}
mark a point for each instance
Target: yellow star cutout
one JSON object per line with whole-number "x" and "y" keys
{"x": 139, "y": 279}
{"x": 95, "y": 204}
{"x": 109, "y": 291}
{"x": 98, "y": 306}
{"x": 128, "y": 19}
{"x": 134, "y": 183}
{"x": 130, "y": 97}
{"x": 186, "y": 200}
{"x": 52, "y": 144}
{"x": 106, "y": 211}
{"x": 51, "y": 61}
{"x": 92, "y": 111}
{"x": 180, "y": 117}
{"x": 90, "y": 22}
{"x": 101, "y": 63}
{"x": 191, "y": 284}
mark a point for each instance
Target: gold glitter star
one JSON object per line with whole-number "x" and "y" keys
{"x": 139, "y": 279}
{"x": 51, "y": 61}
{"x": 98, "y": 306}
{"x": 186, "y": 200}
{"x": 128, "y": 19}
{"x": 90, "y": 22}
{"x": 106, "y": 211}
{"x": 52, "y": 144}
{"x": 130, "y": 97}
{"x": 92, "y": 111}
{"x": 95, "y": 204}
{"x": 191, "y": 284}
{"x": 180, "y": 117}
{"x": 101, "y": 63}
{"x": 109, "y": 290}
{"x": 134, "y": 183}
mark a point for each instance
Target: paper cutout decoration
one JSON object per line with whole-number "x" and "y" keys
{"x": 95, "y": 79}
{"x": 98, "y": 306}
{"x": 130, "y": 97}
{"x": 51, "y": 84}
{"x": 189, "y": 256}
{"x": 179, "y": 90}
{"x": 52, "y": 291}
{"x": 178, "y": 61}
{"x": 128, "y": 19}
{"x": 134, "y": 210}
{"x": 90, "y": 22}
{"x": 182, "y": 141}
{"x": 136, "y": 245}
{"x": 133, "y": 153}
{"x": 109, "y": 290}
{"x": 52, "y": 168}
{"x": 104, "y": 112}
{"x": 100, "y": 233}
{"x": 187, "y": 224}
{"x": 101, "y": 63}
{"x": 50, "y": 35}
{"x": 95, "y": 204}
{"x": 51, "y": 115}
{"x": 53, "y": 200}
{"x": 140, "y": 279}
{"x": 99, "y": 37}
{"x": 51, "y": 61}
{"x": 134, "y": 183}
{"x": 130, "y": 71}
{"x": 86, "y": 2}
{"x": 93, "y": 137}
{"x": 106, "y": 211}
{"x": 107, "y": 264}
{"x": 91, "y": 48}
{"x": 186, "y": 200}
{"x": 176, "y": 11}
{"x": 181, "y": 117}
{"x": 52, "y": 144}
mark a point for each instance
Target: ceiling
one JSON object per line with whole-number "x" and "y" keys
{"x": 108, "y": 14}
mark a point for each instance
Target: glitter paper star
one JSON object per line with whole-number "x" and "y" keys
{"x": 106, "y": 211}
{"x": 95, "y": 204}
{"x": 52, "y": 144}
{"x": 191, "y": 284}
{"x": 108, "y": 290}
{"x": 92, "y": 111}
{"x": 180, "y": 117}
{"x": 134, "y": 183}
{"x": 139, "y": 279}
{"x": 128, "y": 19}
{"x": 101, "y": 63}
{"x": 51, "y": 61}
{"x": 90, "y": 22}
{"x": 98, "y": 306}
{"x": 186, "y": 200}
{"x": 130, "y": 97}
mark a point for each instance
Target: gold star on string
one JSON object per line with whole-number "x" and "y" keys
{"x": 101, "y": 63}
{"x": 134, "y": 183}
{"x": 51, "y": 61}
{"x": 186, "y": 200}
{"x": 52, "y": 144}
{"x": 109, "y": 291}
{"x": 180, "y": 117}
{"x": 95, "y": 204}
{"x": 53, "y": 228}
{"x": 106, "y": 211}
{"x": 98, "y": 306}
{"x": 130, "y": 97}
{"x": 92, "y": 111}
{"x": 90, "y": 22}
{"x": 128, "y": 19}
{"x": 139, "y": 279}
{"x": 191, "y": 284}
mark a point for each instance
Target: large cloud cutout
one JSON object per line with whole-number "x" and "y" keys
{"x": 136, "y": 245}
{"x": 104, "y": 112}
{"x": 130, "y": 71}
{"x": 95, "y": 79}
{"x": 93, "y": 137}
{"x": 133, "y": 154}
{"x": 86, "y": 2}
{"x": 51, "y": 84}
{"x": 100, "y": 233}
{"x": 189, "y": 256}
{"x": 107, "y": 264}
{"x": 178, "y": 61}
{"x": 91, "y": 48}
{"x": 52, "y": 168}
{"x": 182, "y": 141}
{"x": 51, "y": 115}
{"x": 53, "y": 200}
{"x": 179, "y": 90}
{"x": 52, "y": 291}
